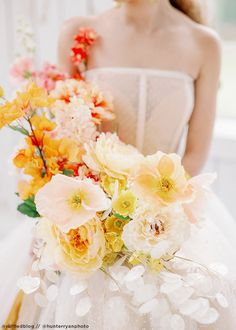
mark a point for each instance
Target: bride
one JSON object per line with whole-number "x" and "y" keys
{"x": 162, "y": 66}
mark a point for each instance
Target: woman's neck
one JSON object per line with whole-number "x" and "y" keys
{"x": 143, "y": 14}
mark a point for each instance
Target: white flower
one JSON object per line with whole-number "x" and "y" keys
{"x": 158, "y": 236}
{"x": 74, "y": 121}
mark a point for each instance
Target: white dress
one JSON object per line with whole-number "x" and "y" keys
{"x": 152, "y": 108}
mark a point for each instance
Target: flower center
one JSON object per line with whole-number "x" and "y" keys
{"x": 157, "y": 228}
{"x": 126, "y": 204}
{"x": 165, "y": 184}
{"x": 75, "y": 201}
{"x": 76, "y": 240}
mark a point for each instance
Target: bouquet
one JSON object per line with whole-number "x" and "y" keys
{"x": 102, "y": 206}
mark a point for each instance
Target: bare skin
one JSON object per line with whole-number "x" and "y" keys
{"x": 157, "y": 36}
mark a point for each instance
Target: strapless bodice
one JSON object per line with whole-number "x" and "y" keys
{"x": 152, "y": 107}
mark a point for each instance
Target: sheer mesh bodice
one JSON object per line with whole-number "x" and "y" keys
{"x": 152, "y": 107}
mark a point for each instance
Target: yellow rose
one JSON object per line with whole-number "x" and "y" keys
{"x": 113, "y": 224}
{"x": 114, "y": 241}
{"x": 80, "y": 251}
{"x": 108, "y": 184}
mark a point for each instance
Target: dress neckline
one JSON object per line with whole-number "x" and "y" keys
{"x": 135, "y": 70}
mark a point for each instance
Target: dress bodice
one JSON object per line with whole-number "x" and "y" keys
{"x": 152, "y": 107}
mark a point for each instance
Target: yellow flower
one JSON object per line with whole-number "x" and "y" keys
{"x": 42, "y": 123}
{"x": 80, "y": 251}
{"x": 113, "y": 224}
{"x": 1, "y": 92}
{"x": 109, "y": 259}
{"x": 34, "y": 166}
{"x": 114, "y": 241}
{"x": 69, "y": 149}
{"x": 34, "y": 97}
{"x": 9, "y": 112}
{"x": 161, "y": 178}
{"x": 108, "y": 184}
{"x": 125, "y": 204}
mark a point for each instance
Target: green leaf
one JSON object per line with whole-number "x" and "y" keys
{"x": 28, "y": 207}
{"x": 22, "y": 130}
{"x": 119, "y": 216}
{"x": 68, "y": 172}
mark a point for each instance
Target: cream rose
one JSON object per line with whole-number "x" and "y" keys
{"x": 111, "y": 156}
{"x": 159, "y": 235}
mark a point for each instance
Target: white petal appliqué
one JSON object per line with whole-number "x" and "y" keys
{"x": 177, "y": 322}
{"x": 40, "y": 300}
{"x": 83, "y": 306}
{"x": 189, "y": 307}
{"x": 52, "y": 276}
{"x": 222, "y": 301}
{"x": 145, "y": 293}
{"x": 135, "y": 273}
{"x": 52, "y": 292}
{"x": 160, "y": 250}
{"x": 168, "y": 288}
{"x": 149, "y": 306}
{"x": 209, "y": 317}
{"x": 28, "y": 284}
{"x": 78, "y": 288}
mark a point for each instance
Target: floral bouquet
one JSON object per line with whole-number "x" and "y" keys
{"x": 102, "y": 206}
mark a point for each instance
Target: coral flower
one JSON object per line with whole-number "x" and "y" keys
{"x": 70, "y": 203}
{"x": 161, "y": 178}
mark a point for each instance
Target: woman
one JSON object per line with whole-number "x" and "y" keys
{"x": 162, "y": 68}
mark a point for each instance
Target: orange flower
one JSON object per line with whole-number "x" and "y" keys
{"x": 9, "y": 112}
{"x": 42, "y": 123}
{"x": 22, "y": 157}
{"x": 34, "y": 97}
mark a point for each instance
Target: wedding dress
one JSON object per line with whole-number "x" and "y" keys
{"x": 152, "y": 108}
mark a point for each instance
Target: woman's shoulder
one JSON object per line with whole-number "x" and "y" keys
{"x": 71, "y": 26}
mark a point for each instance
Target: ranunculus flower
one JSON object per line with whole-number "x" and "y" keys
{"x": 111, "y": 156}
{"x": 69, "y": 203}
{"x": 80, "y": 251}
{"x": 157, "y": 236}
{"x": 161, "y": 179}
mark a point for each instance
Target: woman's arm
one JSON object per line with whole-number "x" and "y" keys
{"x": 202, "y": 120}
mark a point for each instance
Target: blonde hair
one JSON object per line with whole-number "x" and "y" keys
{"x": 191, "y": 8}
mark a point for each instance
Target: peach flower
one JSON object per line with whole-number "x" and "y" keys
{"x": 69, "y": 203}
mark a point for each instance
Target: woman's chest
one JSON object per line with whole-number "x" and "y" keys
{"x": 162, "y": 50}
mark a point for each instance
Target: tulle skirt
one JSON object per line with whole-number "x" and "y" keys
{"x": 212, "y": 245}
